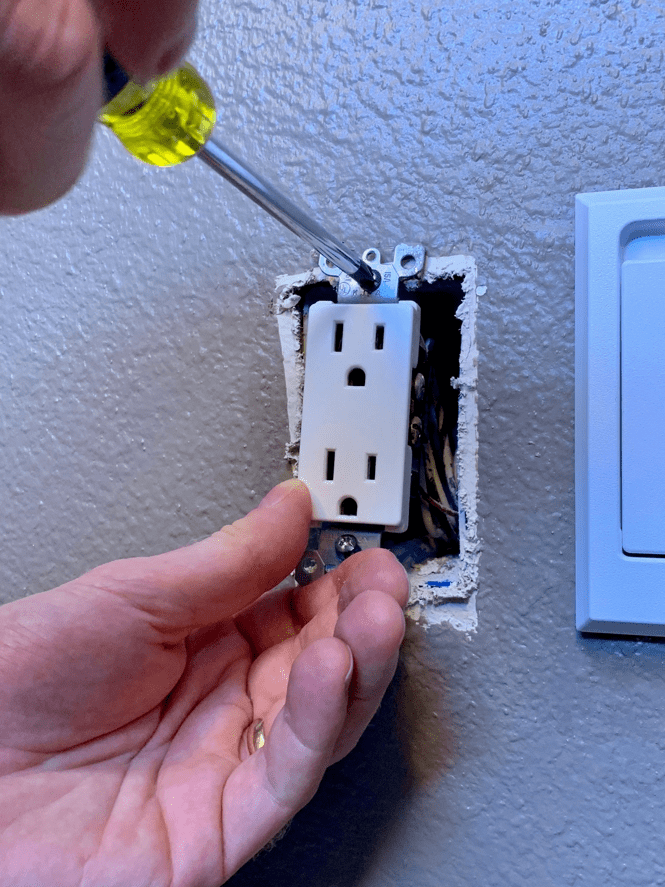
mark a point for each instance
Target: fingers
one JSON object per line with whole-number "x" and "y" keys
{"x": 283, "y": 613}
{"x": 370, "y": 589}
{"x": 269, "y": 788}
{"x": 374, "y": 590}
{"x": 147, "y": 37}
{"x": 50, "y": 81}
{"x": 50, "y": 95}
{"x": 213, "y": 579}
{"x": 375, "y": 568}
{"x": 373, "y": 628}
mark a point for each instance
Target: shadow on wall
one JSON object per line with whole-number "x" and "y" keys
{"x": 332, "y": 841}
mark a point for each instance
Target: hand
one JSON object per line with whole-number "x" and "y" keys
{"x": 50, "y": 81}
{"x": 129, "y": 697}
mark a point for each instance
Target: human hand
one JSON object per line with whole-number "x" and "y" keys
{"x": 129, "y": 697}
{"x": 51, "y": 87}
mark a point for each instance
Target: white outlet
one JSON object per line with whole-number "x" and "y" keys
{"x": 354, "y": 453}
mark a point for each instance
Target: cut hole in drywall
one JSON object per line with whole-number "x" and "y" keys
{"x": 433, "y": 530}
{"x": 439, "y": 548}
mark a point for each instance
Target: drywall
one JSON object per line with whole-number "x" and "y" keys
{"x": 142, "y": 401}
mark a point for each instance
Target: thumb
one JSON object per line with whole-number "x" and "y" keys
{"x": 216, "y": 578}
{"x": 50, "y": 95}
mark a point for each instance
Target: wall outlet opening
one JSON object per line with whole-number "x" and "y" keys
{"x": 440, "y": 547}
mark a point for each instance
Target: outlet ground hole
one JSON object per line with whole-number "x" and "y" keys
{"x": 356, "y": 377}
{"x": 348, "y": 506}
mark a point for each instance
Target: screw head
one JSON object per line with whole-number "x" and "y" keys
{"x": 309, "y": 565}
{"x": 415, "y": 431}
{"x": 346, "y": 544}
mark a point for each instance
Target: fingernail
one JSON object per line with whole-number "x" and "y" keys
{"x": 171, "y": 57}
{"x": 281, "y": 491}
{"x": 257, "y": 738}
{"x": 408, "y": 583}
{"x": 349, "y": 674}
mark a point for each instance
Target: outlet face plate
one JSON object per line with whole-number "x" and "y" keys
{"x": 354, "y": 453}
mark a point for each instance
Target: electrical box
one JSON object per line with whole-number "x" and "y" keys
{"x": 620, "y": 411}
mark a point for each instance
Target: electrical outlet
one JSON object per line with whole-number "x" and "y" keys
{"x": 354, "y": 451}
{"x": 439, "y": 546}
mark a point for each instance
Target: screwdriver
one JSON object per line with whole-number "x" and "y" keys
{"x": 172, "y": 118}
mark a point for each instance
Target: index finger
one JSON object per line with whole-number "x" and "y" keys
{"x": 147, "y": 37}
{"x": 281, "y": 615}
{"x": 50, "y": 94}
{"x": 211, "y": 580}
{"x": 51, "y": 82}
{"x": 374, "y": 568}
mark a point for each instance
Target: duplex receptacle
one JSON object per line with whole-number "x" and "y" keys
{"x": 354, "y": 451}
{"x": 438, "y": 543}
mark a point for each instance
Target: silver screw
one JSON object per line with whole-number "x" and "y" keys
{"x": 309, "y": 565}
{"x": 346, "y": 544}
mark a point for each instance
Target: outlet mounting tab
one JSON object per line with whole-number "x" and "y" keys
{"x": 408, "y": 261}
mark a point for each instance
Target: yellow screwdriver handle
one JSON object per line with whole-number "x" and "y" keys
{"x": 164, "y": 122}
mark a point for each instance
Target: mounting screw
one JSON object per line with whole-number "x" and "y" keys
{"x": 415, "y": 431}
{"x": 346, "y": 544}
{"x": 311, "y": 567}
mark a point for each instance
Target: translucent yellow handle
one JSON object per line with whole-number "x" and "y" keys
{"x": 166, "y": 121}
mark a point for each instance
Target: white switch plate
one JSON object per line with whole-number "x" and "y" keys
{"x": 620, "y": 411}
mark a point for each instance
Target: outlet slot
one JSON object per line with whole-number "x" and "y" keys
{"x": 371, "y": 468}
{"x": 356, "y": 378}
{"x": 378, "y": 337}
{"x": 330, "y": 464}
{"x": 339, "y": 336}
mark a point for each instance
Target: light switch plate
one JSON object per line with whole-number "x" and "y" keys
{"x": 620, "y": 411}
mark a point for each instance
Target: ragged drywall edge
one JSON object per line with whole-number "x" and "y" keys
{"x": 443, "y": 590}
{"x": 461, "y": 617}
{"x": 289, "y": 324}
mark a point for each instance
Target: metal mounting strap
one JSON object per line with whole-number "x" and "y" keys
{"x": 408, "y": 261}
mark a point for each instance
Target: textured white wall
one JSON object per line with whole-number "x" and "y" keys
{"x": 141, "y": 400}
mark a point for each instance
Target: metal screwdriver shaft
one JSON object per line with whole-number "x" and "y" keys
{"x": 281, "y": 208}
{"x": 171, "y": 118}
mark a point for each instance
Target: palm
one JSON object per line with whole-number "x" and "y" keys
{"x": 124, "y": 755}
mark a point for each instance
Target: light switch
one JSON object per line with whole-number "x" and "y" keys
{"x": 643, "y": 396}
{"x": 620, "y": 412}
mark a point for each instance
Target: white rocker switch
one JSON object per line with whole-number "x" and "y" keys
{"x": 643, "y": 396}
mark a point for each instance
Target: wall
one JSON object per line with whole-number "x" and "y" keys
{"x": 142, "y": 404}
